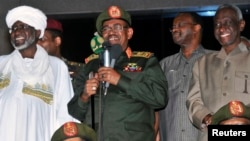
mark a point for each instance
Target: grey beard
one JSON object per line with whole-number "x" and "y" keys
{"x": 26, "y": 43}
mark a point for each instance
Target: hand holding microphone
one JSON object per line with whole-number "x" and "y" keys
{"x": 107, "y": 55}
{"x": 109, "y": 75}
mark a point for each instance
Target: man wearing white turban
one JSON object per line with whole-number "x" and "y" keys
{"x": 34, "y": 87}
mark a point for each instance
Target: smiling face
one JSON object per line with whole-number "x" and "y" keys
{"x": 183, "y": 29}
{"x": 227, "y": 27}
{"x": 22, "y": 35}
{"x": 117, "y": 31}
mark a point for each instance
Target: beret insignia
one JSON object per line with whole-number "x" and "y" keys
{"x": 70, "y": 129}
{"x": 232, "y": 109}
{"x": 114, "y": 12}
{"x": 236, "y": 108}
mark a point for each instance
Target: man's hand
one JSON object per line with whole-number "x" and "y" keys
{"x": 109, "y": 75}
{"x": 90, "y": 88}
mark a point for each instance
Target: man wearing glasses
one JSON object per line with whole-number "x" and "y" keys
{"x": 34, "y": 87}
{"x": 174, "y": 124}
{"x": 137, "y": 85}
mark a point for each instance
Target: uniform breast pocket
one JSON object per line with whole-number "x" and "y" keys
{"x": 133, "y": 75}
{"x": 242, "y": 82}
{"x": 173, "y": 78}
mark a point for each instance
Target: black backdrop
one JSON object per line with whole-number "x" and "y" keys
{"x": 151, "y": 33}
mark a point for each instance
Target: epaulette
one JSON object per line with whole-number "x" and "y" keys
{"x": 144, "y": 54}
{"x": 91, "y": 57}
{"x": 72, "y": 63}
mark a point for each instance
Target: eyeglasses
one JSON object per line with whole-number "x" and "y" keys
{"x": 180, "y": 25}
{"x": 116, "y": 28}
{"x": 19, "y": 27}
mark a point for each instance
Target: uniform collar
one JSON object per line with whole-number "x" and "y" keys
{"x": 129, "y": 52}
{"x": 239, "y": 49}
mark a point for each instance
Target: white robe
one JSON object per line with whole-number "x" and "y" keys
{"x": 32, "y": 109}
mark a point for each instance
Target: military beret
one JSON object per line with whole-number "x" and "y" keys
{"x": 233, "y": 109}
{"x": 113, "y": 12}
{"x": 54, "y": 24}
{"x": 73, "y": 129}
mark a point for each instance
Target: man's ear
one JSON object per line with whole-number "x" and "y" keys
{"x": 197, "y": 27}
{"x": 242, "y": 25}
{"x": 38, "y": 33}
{"x": 130, "y": 33}
{"x": 58, "y": 41}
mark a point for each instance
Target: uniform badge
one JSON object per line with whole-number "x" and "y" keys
{"x": 236, "y": 108}
{"x": 70, "y": 129}
{"x": 114, "y": 12}
{"x": 132, "y": 67}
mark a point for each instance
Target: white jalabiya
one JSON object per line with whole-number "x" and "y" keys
{"x": 33, "y": 96}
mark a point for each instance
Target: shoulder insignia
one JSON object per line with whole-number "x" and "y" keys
{"x": 144, "y": 54}
{"x": 91, "y": 57}
{"x": 72, "y": 63}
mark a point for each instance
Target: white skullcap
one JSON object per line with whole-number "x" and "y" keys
{"x": 28, "y": 15}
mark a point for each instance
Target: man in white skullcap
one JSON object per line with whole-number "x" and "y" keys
{"x": 34, "y": 87}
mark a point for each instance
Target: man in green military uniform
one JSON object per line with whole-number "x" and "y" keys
{"x": 52, "y": 43}
{"x": 137, "y": 85}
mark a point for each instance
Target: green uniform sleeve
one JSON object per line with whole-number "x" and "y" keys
{"x": 76, "y": 107}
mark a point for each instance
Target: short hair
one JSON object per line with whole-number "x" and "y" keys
{"x": 55, "y": 33}
{"x": 196, "y": 18}
{"x": 233, "y": 7}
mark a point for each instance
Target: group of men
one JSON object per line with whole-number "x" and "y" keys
{"x": 202, "y": 81}
{"x": 187, "y": 91}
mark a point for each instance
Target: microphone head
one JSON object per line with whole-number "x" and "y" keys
{"x": 106, "y": 45}
{"x": 115, "y": 51}
{"x": 96, "y": 44}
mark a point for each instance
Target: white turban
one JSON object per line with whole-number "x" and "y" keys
{"x": 28, "y": 15}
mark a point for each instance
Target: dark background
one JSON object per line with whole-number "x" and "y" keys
{"x": 151, "y": 33}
